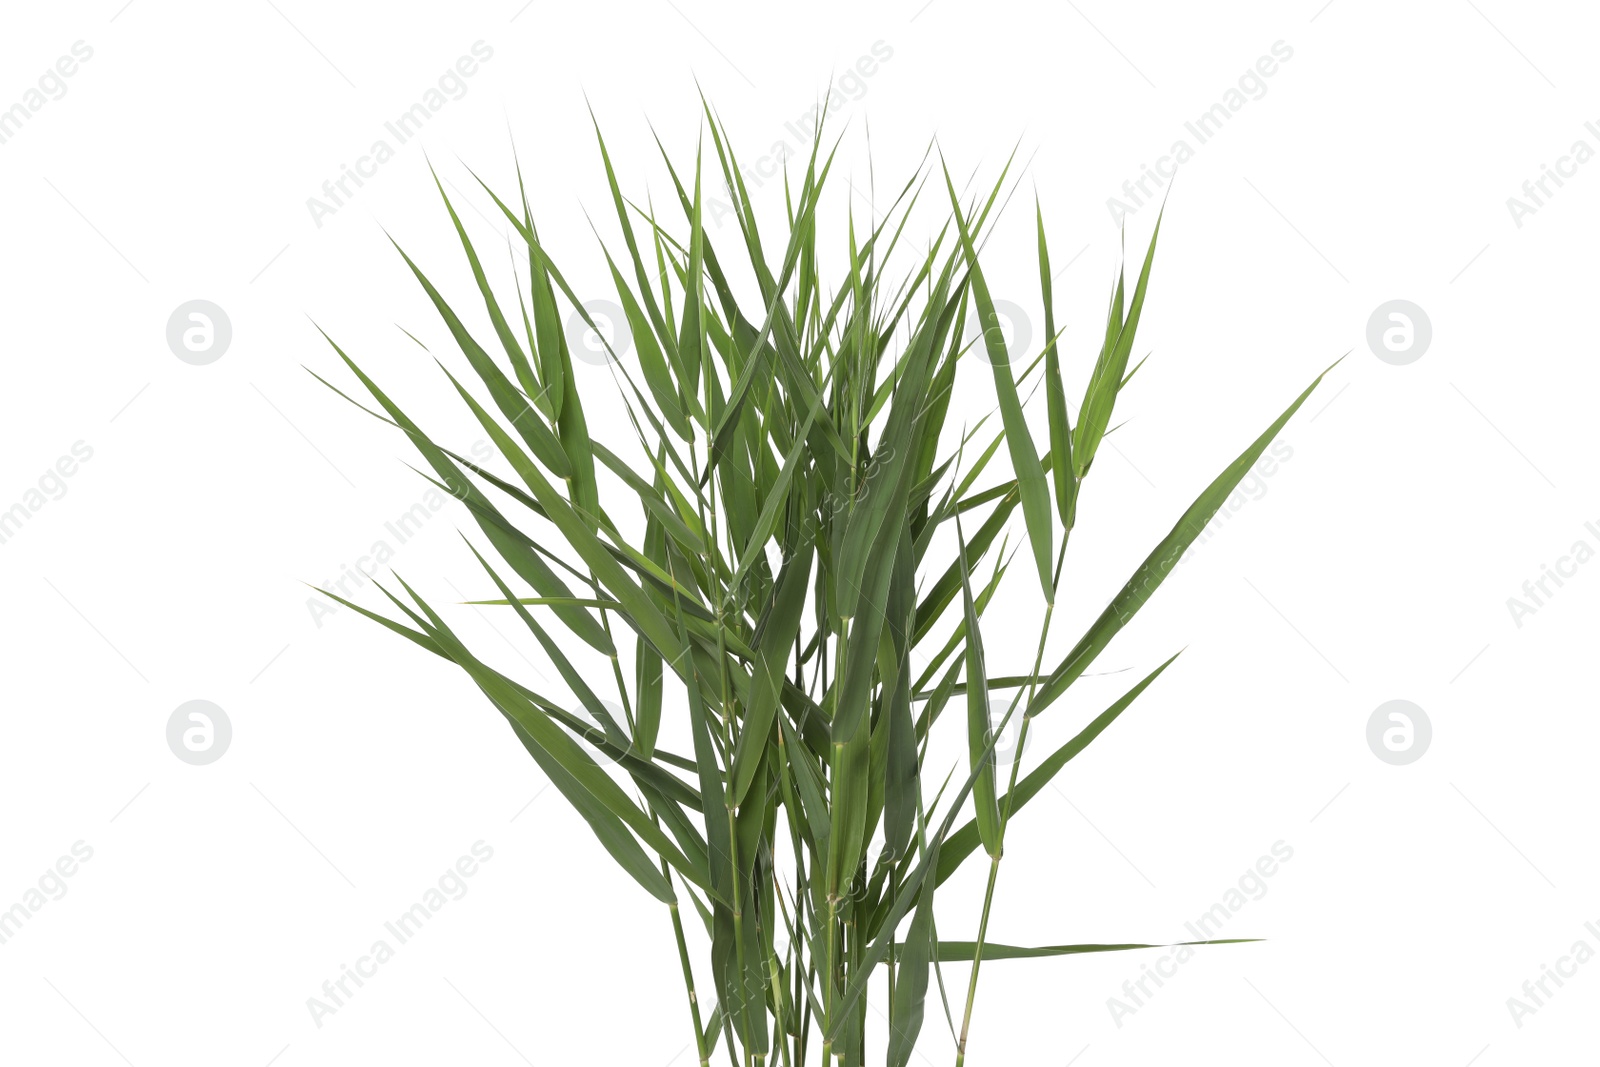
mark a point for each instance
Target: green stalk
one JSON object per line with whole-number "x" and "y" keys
{"x": 738, "y": 931}
{"x": 1005, "y": 815}
{"x": 729, "y": 740}
{"x": 889, "y": 963}
{"x": 688, "y": 978}
{"x": 833, "y": 875}
{"x": 977, "y": 959}
{"x": 776, "y": 982}
{"x": 827, "y": 1015}
{"x": 861, "y": 1010}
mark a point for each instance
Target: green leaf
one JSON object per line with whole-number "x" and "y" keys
{"x": 1024, "y": 458}
{"x": 512, "y": 548}
{"x": 657, "y": 375}
{"x": 777, "y": 642}
{"x": 979, "y": 729}
{"x": 961, "y": 951}
{"x": 964, "y": 841}
{"x": 1061, "y": 466}
{"x": 502, "y": 329}
{"x": 1108, "y": 377}
{"x": 512, "y": 404}
{"x": 577, "y": 775}
{"x": 1159, "y": 563}
{"x": 900, "y": 786}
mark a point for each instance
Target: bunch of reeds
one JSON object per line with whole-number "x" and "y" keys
{"x": 796, "y": 481}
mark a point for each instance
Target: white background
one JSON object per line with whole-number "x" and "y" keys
{"x": 1375, "y": 564}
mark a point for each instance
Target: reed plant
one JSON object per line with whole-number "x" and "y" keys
{"x": 783, "y": 557}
